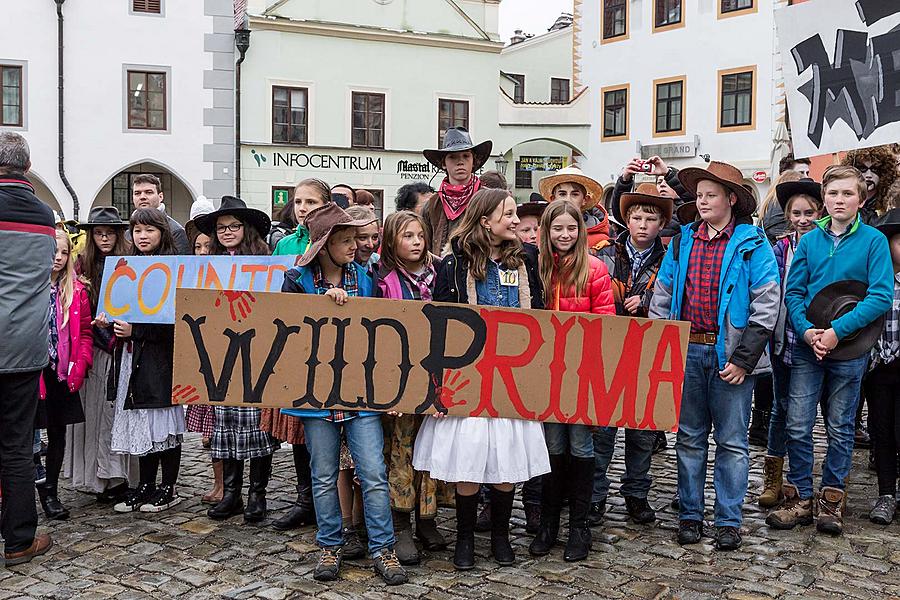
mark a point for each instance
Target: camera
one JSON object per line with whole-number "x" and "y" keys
{"x": 645, "y": 166}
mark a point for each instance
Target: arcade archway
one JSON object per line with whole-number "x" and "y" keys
{"x": 177, "y": 194}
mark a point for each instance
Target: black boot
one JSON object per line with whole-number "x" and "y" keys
{"x": 759, "y": 427}
{"x": 466, "y": 513}
{"x": 53, "y": 508}
{"x": 232, "y": 482}
{"x": 303, "y": 512}
{"x": 501, "y": 512}
{"x": 260, "y": 470}
{"x": 581, "y": 478}
{"x": 551, "y": 505}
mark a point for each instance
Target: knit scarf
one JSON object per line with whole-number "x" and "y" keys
{"x": 455, "y": 198}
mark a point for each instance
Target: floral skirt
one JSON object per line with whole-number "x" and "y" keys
{"x": 282, "y": 427}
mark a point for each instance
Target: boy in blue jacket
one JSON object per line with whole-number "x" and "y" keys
{"x": 720, "y": 274}
{"x": 840, "y": 248}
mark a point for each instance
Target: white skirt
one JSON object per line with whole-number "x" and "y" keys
{"x": 481, "y": 450}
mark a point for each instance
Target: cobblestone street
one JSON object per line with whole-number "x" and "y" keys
{"x": 182, "y": 553}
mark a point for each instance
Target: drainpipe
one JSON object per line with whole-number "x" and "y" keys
{"x": 242, "y": 40}
{"x": 60, "y": 103}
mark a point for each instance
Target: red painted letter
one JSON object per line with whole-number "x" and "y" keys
{"x": 557, "y": 368}
{"x": 669, "y": 342}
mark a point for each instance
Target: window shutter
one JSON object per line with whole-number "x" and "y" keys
{"x": 146, "y": 6}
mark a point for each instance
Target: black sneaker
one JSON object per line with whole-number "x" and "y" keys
{"x": 595, "y": 515}
{"x": 136, "y": 498}
{"x": 639, "y": 510}
{"x": 689, "y": 532}
{"x": 164, "y": 498}
{"x": 388, "y": 566}
{"x": 728, "y": 538}
{"x": 329, "y": 564}
{"x": 353, "y": 547}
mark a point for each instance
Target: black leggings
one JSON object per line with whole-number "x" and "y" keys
{"x": 56, "y": 450}
{"x": 882, "y": 386}
{"x": 170, "y": 460}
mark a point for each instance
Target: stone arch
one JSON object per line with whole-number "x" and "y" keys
{"x": 46, "y": 195}
{"x": 178, "y": 193}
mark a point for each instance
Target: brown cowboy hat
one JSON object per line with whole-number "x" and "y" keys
{"x": 723, "y": 174}
{"x": 535, "y": 207}
{"x": 593, "y": 190}
{"x": 321, "y": 222}
{"x": 457, "y": 139}
{"x": 687, "y": 212}
{"x": 646, "y": 193}
{"x": 834, "y": 301}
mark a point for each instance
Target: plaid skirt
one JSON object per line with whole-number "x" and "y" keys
{"x": 236, "y": 434}
{"x": 200, "y": 419}
{"x": 282, "y": 427}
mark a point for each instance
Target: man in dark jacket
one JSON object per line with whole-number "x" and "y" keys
{"x": 27, "y": 247}
{"x": 667, "y": 184}
{"x": 146, "y": 192}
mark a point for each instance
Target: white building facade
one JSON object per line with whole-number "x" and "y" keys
{"x": 688, "y": 80}
{"x": 149, "y": 87}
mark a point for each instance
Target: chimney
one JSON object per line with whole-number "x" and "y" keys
{"x": 564, "y": 20}
{"x": 517, "y": 37}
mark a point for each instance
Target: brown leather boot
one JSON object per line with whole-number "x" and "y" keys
{"x": 830, "y": 510}
{"x": 793, "y": 512}
{"x": 773, "y": 470}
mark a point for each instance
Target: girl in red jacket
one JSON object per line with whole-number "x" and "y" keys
{"x": 71, "y": 356}
{"x": 574, "y": 281}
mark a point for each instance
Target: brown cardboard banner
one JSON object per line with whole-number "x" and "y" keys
{"x": 304, "y": 351}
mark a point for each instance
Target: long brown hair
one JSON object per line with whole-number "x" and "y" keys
{"x": 153, "y": 217}
{"x": 251, "y": 245}
{"x": 91, "y": 261}
{"x": 570, "y": 270}
{"x": 394, "y": 226}
{"x": 474, "y": 240}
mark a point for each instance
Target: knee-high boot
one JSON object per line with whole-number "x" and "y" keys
{"x": 232, "y": 482}
{"x": 466, "y": 513}
{"x": 581, "y": 472}
{"x": 260, "y": 470}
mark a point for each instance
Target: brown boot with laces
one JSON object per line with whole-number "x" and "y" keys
{"x": 830, "y": 510}
{"x": 329, "y": 564}
{"x": 773, "y": 474}
{"x": 793, "y": 512}
{"x": 388, "y": 566}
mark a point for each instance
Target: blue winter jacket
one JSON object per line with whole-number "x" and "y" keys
{"x": 861, "y": 255}
{"x": 300, "y": 281}
{"x": 749, "y": 294}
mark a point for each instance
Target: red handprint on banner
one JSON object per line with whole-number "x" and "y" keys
{"x": 184, "y": 394}
{"x": 448, "y": 389}
{"x": 238, "y": 303}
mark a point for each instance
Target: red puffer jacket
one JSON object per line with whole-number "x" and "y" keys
{"x": 597, "y": 298}
{"x": 81, "y": 341}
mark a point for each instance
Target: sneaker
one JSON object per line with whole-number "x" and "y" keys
{"x": 728, "y": 538}
{"x": 792, "y": 512}
{"x": 595, "y": 515}
{"x": 639, "y": 510}
{"x": 164, "y": 499}
{"x": 689, "y": 532}
{"x": 353, "y": 547}
{"x": 329, "y": 564}
{"x": 883, "y": 512}
{"x": 40, "y": 473}
{"x": 388, "y": 566}
{"x": 136, "y": 498}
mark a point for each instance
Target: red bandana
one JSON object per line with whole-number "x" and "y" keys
{"x": 455, "y": 198}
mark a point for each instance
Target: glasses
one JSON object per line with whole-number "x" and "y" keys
{"x": 103, "y": 235}
{"x": 233, "y": 227}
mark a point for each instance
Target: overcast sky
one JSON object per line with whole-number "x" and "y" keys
{"x": 531, "y": 16}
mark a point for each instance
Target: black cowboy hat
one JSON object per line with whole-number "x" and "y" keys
{"x": 104, "y": 215}
{"x": 237, "y": 208}
{"x": 532, "y": 208}
{"x": 457, "y": 139}
{"x": 890, "y": 223}
{"x": 785, "y": 191}
{"x": 834, "y": 301}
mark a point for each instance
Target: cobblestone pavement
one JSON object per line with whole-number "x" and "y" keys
{"x": 181, "y": 553}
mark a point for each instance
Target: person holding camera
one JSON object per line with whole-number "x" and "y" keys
{"x": 667, "y": 184}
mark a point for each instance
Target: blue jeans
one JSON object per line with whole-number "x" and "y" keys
{"x": 36, "y": 446}
{"x": 573, "y": 439}
{"x": 708, "y": 403}
{"x": 841, "y": 379}
{"x": 365, "y": 438}
{"x": 781, "y": 382}
{"x": 638, "y": 452}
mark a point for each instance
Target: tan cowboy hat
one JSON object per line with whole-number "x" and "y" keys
{"x": 320, "y": 222}
{"x": 726, "y": 175}
{"x": 646, "y": 193}
{"x": 593, "y": 189}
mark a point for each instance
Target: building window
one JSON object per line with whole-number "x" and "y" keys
{"x": 736, "y": 99}
{"x": 668, "y": 112}
{"x": 615, "y": 19}
{"x": 667, "y": 14}
{"x": 451, "y": 113}
{"x": 147, "y": 6}
{"x": 615, "y": 113}
{"x": 519, "y": 91}
{"x": 559, "y": 91}
{"x": 735, "y": 8}
{"x": 368, "y": 120}
{"x": 11, "y": 97}
{"x": 147, "y": 100}
{"x": 289, "y": 115}
{"x": 281, "y": 197}
{"x": 524, "y": 180}
{"x": 121, "y": 190}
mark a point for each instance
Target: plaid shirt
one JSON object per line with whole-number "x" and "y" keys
{"x": 701, "y": 287}
{"x": 637, "y": 258}
{"x": 887, "y": 348}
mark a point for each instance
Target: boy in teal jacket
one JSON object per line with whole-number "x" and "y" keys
{"x": 840, "y": 248}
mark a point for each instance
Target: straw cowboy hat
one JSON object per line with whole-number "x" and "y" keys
{"x": 836, "y": 300}
{"x": 457, "y": 139}
{"x": 646, "y": 193}
{"x": 726, "y": 175}
{"x": 787, "y": 190}
{"x": 237, "y": 208}
{"x": 321, "y": 222}
{"x": 103, "y": 215}
{"x": 593, "y": 190}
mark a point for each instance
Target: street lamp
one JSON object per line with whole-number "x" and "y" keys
{"x": 501, "y": 164}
